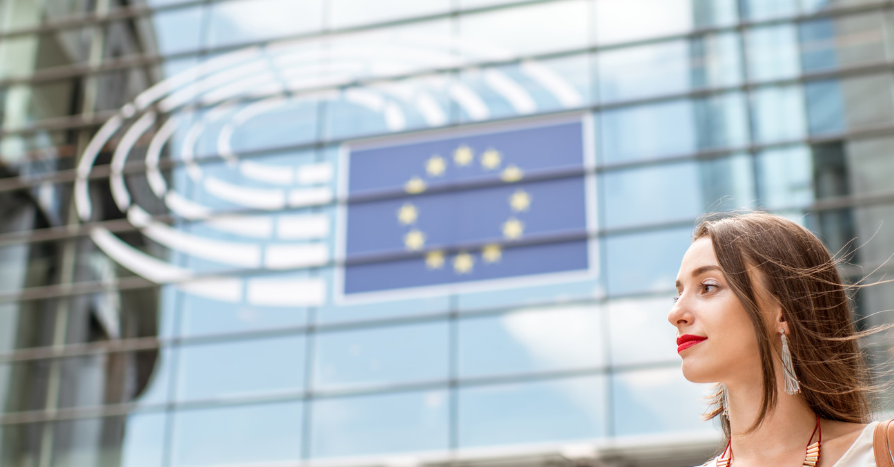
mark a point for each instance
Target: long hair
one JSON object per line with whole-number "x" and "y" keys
{"x": 797, "y": 272}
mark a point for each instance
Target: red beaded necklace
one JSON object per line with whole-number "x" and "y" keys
{"x": 810, "y": 459}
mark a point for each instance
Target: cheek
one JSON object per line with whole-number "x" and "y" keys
{"x": 731, "y": 346}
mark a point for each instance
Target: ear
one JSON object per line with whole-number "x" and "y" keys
{"x": 779, "y": 320}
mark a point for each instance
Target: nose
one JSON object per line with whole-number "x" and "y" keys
{"x": 679, "y": 314}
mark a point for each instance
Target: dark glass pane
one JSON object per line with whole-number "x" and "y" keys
{"x": 115, "y": 378}
{"x": 23, "y": 385}
{"x": 20, "y": 444}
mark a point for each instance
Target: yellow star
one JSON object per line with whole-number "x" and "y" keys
{"x": 491, "y": 253}
{"x": 463, "y": 156}
{"x": 490, "y": 159}
{"x": 434, "y": 260}
{"x": 511, "y": 174}
{"x": 435, "y": 166}
{"x": 407, "y": 214}
{"x": 414, "y": 240}
{"x": 414, "y": 186}
{"x": 520, "y": 200}
{"x": 513, "y": 228}
{"x": 463, "y": 262}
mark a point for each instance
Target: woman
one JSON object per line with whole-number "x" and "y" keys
{"x": 761, "y": 309}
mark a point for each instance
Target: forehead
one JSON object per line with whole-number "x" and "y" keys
{"x": 700, "y": 253}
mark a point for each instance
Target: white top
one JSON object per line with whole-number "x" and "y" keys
{"x": 858, "y": 455}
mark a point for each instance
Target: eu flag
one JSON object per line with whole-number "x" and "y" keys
{"x": 476, "y": 207}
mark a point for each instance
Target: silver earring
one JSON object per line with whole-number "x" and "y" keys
{"x": 725, "y": 400}
{"x": 791, "y": 380}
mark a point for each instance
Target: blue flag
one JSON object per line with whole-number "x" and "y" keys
{"x": 486, "y": 206}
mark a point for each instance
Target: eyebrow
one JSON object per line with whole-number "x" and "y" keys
{"x": 699, "y": 271}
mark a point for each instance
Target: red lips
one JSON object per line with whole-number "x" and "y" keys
{"x": 688, "y": 340}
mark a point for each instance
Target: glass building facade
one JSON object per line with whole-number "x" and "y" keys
{"x": 346, "y": 232}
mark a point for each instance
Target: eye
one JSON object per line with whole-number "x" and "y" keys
{"x": 709, "y": 287}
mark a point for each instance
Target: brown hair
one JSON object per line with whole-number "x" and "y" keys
{"x": 798, "y": 273}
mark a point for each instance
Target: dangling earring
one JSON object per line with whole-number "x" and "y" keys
{"x": 725, "y": 400}
{"x": 791, "y": 380}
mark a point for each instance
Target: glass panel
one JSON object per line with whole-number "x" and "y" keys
{"x": 785, "y": 177}
{"x": 675, "y": 128}
{"x": 27, "y": 265}
{"x": 848, "y": 104}
{"x": 253, "y": 434}
{"x": 545, "y": 339}
{"x": 469, "y": 4}
{"x": 640, "y": 403}
{"x": 114, "y": 378}
{"x": 763, "y": 9}
{"x": 36, "y": 154}
{"x": 577, "y": 286}
{"x": 870, "y": 164}
{"x": 407, "y": 104}
{"x": 645, "y": 262}
{"x": 234, "y": 369}
{"x": 347, "y": 13}
{"x": 176, "y": 30}
{"x": 27, "y": 324}
{"x": 24, "y": 55}
{"x": 778, "y": 114}
{"x": 20, "y": 445}
{"x": 23, "y": 385}
{"x": 525, "y": 30}
{"x": 645, "y": 318}
{"x": 624, "y": 21}
{"x": 253, "y": 20}
{"x": 875, "y": 303}
{"x": 45, "y": 101}
{"x": 378, "y": 356}
{"x": 208, "y": 315}
{"x": 831, "y": 43}
{"x": 134, "y": 441}
{"x": 876, "y": 244}
{"x": 389, "y": 423}
{"x": 115, "y": 315}
{"x": 546, "y": 411}
{"x": 772, "y": 52}
{"x": 669, "y": 67}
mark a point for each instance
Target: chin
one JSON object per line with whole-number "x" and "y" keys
{"x": 695, "y": 373}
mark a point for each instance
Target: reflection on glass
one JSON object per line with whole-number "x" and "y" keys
{"x": 251, "y": 20}
{"x": 876, "y": 243}
{"x": 624, "y": 21}
{"x": 347, "y": 13}
{"x": 389, "y": 355}
{"x": 20, "y": 443}
{"x": 390, "y": 423}
{"x": 831, "y": 43}
{"x": 669, "y": 67}
{"x": 134, "y": 441}
{"x": 23, "y": 385}
{"x": 538, "y": 292}
{"x": 238, "y": 368}
{"x": 525, "y": 30}
{"x": 257, "y": 434}
{"x": 652, "y": 194}
{"x": 534, "y": 412}
{"x": 728, "y": 183}
{"x": 546, "y": 339}
{"x": 176, "y": 31}
{"x": 27, "y": 324}
{"x": 777, "y": 114}
{"x": 763, "y": 9}
{"x": 785, "y": 177}
{"x": 114, "y": 378}
{"x": 674, "y": 127}
{"x": 641, "y": 403}
{"x": 207, "y": 316}
{"x": 870, "y": 164}
{"x": 772, "y": 52}
{"x": 645, "y": 318}
{"x": 626, "y": 256}
{"x": 847, "y": 104}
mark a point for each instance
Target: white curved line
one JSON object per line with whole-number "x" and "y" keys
{"x": 238, "y": 87}
{"x": 248, "y": 226}
{"x": 154, "y": 269}
{"x": 469, "y": 101}
{"x": 147, "y": 97}
{"x": 82, "y": 196}
{"x": 277, "y": 175}
{"x": 187, "y": 152}
{"x": 394, "y": 117}
{"x": 153, "y": 154}
{"x": 224, "y": 147}
{"x": 312, "y": 174}
{"x": 223, "y": 289}
{"x": 567, "y": 95}
{"x": 197, "y": 88}
{"x": 517, "y": 96}
{"x": 238, "y": 254}
{"x": 257, "y": 198}
{"x": 302, "y": 226}
{"x": 430, "y": 109}
{"x": 301, "y": 255}
{"x": 286, "y": 292}
{"x": 116, "y": 179}
{"x": 309, "y": 197}
{"x": 365, "y": 98}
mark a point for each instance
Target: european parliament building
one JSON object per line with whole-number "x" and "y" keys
{"x": 405, "y": 233}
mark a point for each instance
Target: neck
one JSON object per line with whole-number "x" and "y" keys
{"x": 784, "y": 432}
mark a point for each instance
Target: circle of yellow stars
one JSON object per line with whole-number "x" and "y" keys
{"x": 435, "y": 166}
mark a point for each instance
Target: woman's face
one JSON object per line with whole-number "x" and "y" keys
{"x": 718, "y": 341}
